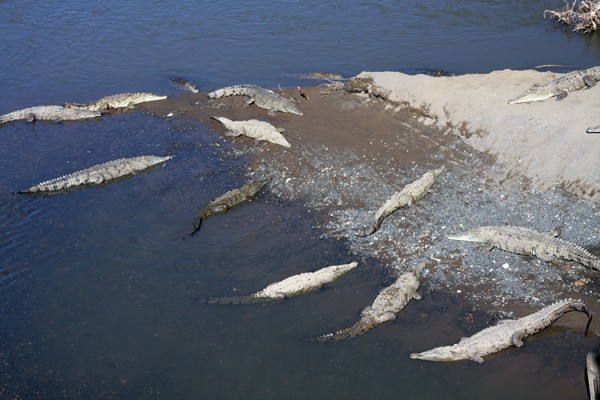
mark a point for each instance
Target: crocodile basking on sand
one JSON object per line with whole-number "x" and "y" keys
{"x": 289, "y": 287}
{"x": 519, "y": 240}
{"x": 559, "y": 87}
{"x": 121, "y": 100}
{"x": 98, "y": 174}
{"x": 227, "y": 200}
{"x": 253, "y": 128}
{"x": 408, "y": 196}
{"x": 593, "y": 129}
{"x": 505, "y": 334}
{"x": 48, "y": 113}
{"x": 387, "y": 304}
{"x": 263, "y": 98}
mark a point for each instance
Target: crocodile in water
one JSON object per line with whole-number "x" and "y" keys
{"x": 409, "y": 195}
{"x": 519, "y": 240}
{"x": 253, "y": 128}
{"x": 263, "y": 98}
{"x": 292, "y": 286}
{"x": 121, "y": 100}
{"x": 227, "y": 200}
{"x": 98, "y": 174}
{"x": 559, "y": 87}
{"x": 185, "y": 84}
{"x": 48, "y": 113}
{"x": 505, "y": 334}
{"x": 387, "y": 304}
{"x": 593, "y": 374}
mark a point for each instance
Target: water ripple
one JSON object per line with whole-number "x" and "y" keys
{"x": 18, "y": 214}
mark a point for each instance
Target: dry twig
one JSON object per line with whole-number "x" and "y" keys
{"x": 583, "y": 15}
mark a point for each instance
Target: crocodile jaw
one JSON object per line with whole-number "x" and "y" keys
{"x": 528, "y": 97}
{"x": 467, "y": 237}
{"x": 446, "y": 353}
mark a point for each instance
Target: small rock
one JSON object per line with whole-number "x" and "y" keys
{"x": 579, "y": 283}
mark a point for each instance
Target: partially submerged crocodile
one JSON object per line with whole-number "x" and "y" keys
{"x": 289, "y": 287}
{"x": 505, "y": 334}
{"x": 409, "y": 195}
{"x": 559, "y": 87}
{"x": 387, "y": 304}
{"x": 185, "y": 84}
{"x": 227, "y": 200}
{"x": 593, "y": 374}
{"x": 121, "y": 100}
{"x": 519, "y": 240}
{"x": 263, "y": 98}
{"x": 48, "y": 113}
{"x": 253, "y": 128}
{"x": 98, "y": 174}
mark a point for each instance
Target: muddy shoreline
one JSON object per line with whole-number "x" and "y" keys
{"x": 351, "y": 151}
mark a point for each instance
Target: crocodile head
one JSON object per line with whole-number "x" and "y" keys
{"x": 533, "y": 94}
{"x": 290, "y": 107}
{"x": 473, "y": 235}
{"x": 445, "y": 353}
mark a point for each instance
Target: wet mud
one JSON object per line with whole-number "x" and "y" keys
{"x": 350, "y": 152}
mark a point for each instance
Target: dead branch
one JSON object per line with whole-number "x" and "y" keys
{"x": 584, "y": 16}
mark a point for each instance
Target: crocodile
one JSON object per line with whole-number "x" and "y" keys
{"x": 387, "y": 304}
{"x": 48, "y": 113}
{"x": 408, "y": 196}
{"x": 593, "y": 129}
{"x": 593, "y": 374}
{"x": 559, "y": 87}
{"x": 519, "y": 240}
{"x": 98, "y": 174}
{"x": 263, "y": 98}
{"x": 505, "y": 334}
{"x": 290, "y": 287}
{"x": 185, "y": 84}
{"x": 121, "y": 100}
{"x": 227, "y": 200}
{"x": 253, "y": 128}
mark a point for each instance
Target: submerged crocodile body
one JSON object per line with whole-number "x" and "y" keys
{"x": 263, "y": 98}
{"x": 289, "y": 287}
{"x": 48, "y": 113}
{"x": 505, "y": 334}
{"x": 227, "y": 200}
{"x": 559, "y": 87}
{"x": 98, "y": 174}
{"x": 253, "y": 128}
{"x": 121, "y": 100}
{"x": 593, "y": 374}
{"x": 519, "y": 240}
{"x": 185, "y": 84}
{"x": 409, "y": 195}
{"x": 387, "y": 304}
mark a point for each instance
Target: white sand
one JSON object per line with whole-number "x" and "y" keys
{"x": 546, "y": 141}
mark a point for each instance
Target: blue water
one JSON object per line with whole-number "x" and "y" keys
{"x": 99, "y": 293}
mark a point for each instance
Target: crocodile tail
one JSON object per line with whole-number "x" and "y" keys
{"x": 358, "y": 328}
{"x": 197, "y": 225}
{"x": 235, "y": 300}
{"x": 371, "y": 229}
{"x": 575, "y": 305}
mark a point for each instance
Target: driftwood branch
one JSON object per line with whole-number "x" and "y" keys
{"x": 584, "y": 16}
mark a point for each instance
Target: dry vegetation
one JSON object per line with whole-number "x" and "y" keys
{"x": 583, "y": 15}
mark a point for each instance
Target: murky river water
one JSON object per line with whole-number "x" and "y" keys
{"x": 100, "y": 292}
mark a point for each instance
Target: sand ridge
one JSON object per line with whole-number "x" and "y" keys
{"x": 545, "y": 141}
